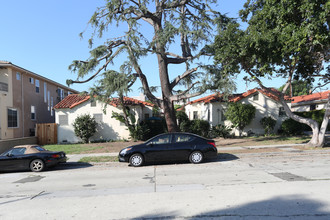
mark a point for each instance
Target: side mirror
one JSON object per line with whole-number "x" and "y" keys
{"x": 9, "y": 155}
{"x": 150, "y": 144}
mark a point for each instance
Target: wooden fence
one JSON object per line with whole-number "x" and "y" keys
{"x": 47, "y": 133}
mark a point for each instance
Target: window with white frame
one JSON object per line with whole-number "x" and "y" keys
{"x": 51, "y": 106}
{"x": 33, "y": 112}
{"x": 45, "y": 92}
{"x": 195, "y": 114}
{"x": 12, "y": 118}
{"x": 48, "y": 97}
{"x": 63, "y": 120}
{"x": 37, "y": 86}
{"x": 256, "y": 97}
{"x": 18, "y": 76}
{"x": 31, "y": 80}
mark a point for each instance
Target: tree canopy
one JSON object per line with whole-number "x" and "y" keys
{"x": 181, "y": 28}
{"x": 284, "y": 38}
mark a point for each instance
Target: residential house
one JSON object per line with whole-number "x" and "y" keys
{"x": 213, "y": 107}
{"x": 26, "y": 99}
{"x": 108, "y": 128}
{"x": 315, "y": 101}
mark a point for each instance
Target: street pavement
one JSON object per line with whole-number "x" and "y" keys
{"x": 289, "y": 184}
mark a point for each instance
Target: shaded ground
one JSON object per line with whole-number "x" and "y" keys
{"x": 115, "y": 147}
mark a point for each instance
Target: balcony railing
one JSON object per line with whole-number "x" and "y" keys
{"x": 3, "y": 87}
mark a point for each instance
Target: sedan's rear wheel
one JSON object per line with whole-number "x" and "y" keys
{"x": 196, "y": 157}
{"x": 136, "y": 160}
{"x": 37, "y": 165}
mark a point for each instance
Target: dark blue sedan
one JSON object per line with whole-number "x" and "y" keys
{"x": 170, "y": 147}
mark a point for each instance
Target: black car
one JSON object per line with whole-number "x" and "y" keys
{"x": 170, "y": 147}
{"x": 32, "y": 157}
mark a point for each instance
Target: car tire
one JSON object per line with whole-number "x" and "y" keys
{"x": 196, "y": 157}
{"x": 136, "y": 160}
{"x": 37, "y": 165}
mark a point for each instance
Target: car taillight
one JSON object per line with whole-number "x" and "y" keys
{"x": 55, "y": 156}
{"x": 212, "y": 143}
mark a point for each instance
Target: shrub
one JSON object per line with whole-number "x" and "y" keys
{"x": 268, "y": 123}
{"x": 200, "y": 127}
{"x": 292, "y": 127}
{"x": 240, "y": 115}
{"x": 84, "y": 127}
{"x": 220, "y": 131}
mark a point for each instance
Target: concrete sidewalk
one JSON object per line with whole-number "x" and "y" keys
{"x": 288, "y": 147}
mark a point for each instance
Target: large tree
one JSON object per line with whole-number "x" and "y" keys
{"x": 284, "y": 38}
{"x": 180, "y": 29}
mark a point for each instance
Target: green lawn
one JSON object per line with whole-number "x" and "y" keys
{"x": 99, "y": 159}
{"x": 73, "y": 148}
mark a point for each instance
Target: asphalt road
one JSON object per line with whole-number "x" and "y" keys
{"x": 281, "y": 185}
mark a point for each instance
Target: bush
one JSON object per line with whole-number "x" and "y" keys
{"x": 84, "y": 127}
{"x": 268, "y": 123}
{"x": 200, "y": 127}
{"x": 220, "y": 131}
{"x": 292, "y": 127}
{"x": 152, "y": 127}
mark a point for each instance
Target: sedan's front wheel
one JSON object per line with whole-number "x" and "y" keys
{"x": 196, "y": 157}
{"x": 136, "y": 160}
{"x": 37, "y": 165}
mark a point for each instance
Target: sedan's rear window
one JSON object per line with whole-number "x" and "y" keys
{"x": 178, "y": 138}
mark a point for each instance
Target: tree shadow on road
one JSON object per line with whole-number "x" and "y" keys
{"x": 283, "y": 207}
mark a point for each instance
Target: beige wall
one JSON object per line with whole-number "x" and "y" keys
{"x": 22, "y": 95}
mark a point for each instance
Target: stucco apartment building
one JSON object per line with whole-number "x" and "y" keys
{"x": 26, "y": 99}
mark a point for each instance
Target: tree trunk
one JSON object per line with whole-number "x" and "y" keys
{"x": 318, "y": 134}
{"x": 168, "y": 107}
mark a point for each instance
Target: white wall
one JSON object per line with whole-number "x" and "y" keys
{"x": 264, "y": 107}
{"x": 109, "y": 129}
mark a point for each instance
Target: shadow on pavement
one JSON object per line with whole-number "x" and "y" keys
{"x": 283, "y": 207}
{"x": 70, "y": 166}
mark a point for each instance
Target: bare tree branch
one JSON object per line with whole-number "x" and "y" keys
{"x": 184, "y": 75}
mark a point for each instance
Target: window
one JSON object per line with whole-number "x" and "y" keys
{"x": 178, "y": 138}
{"x": 195, "y": 114}
{"x": 17, "y": 151}
{"x": 31, "y": 80}
{"x": 98, "y": 118}
{"x": 12, "y": 118}
{"x": 63, "y": 120}
{"x": 163, "y": 139}
{"x": 51, "y": 106}
{"x": 69, "y": 93}
{"x": 281, "y": 112}
{"x": 223, "y": 117}
{"x": 312, "y": 107}
{"x": 60, "y": 93}
{"x": 93, "y": 103}
{"x": 33, "y": 112}
{"x": 256, "y": 97}
{"x": 146, "y": 116}
{"x": 45, "y": 92}
{"x": 18, "y": 76}
{"x": 37, "y": 86}
{"x": 48, "y": 97}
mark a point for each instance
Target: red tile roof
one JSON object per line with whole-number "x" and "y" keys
{"x": 75, "y": 99}
{"x": 311, "y": 97}
{"x": 237, "y": 97}
{"x": 262, "y": 91}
